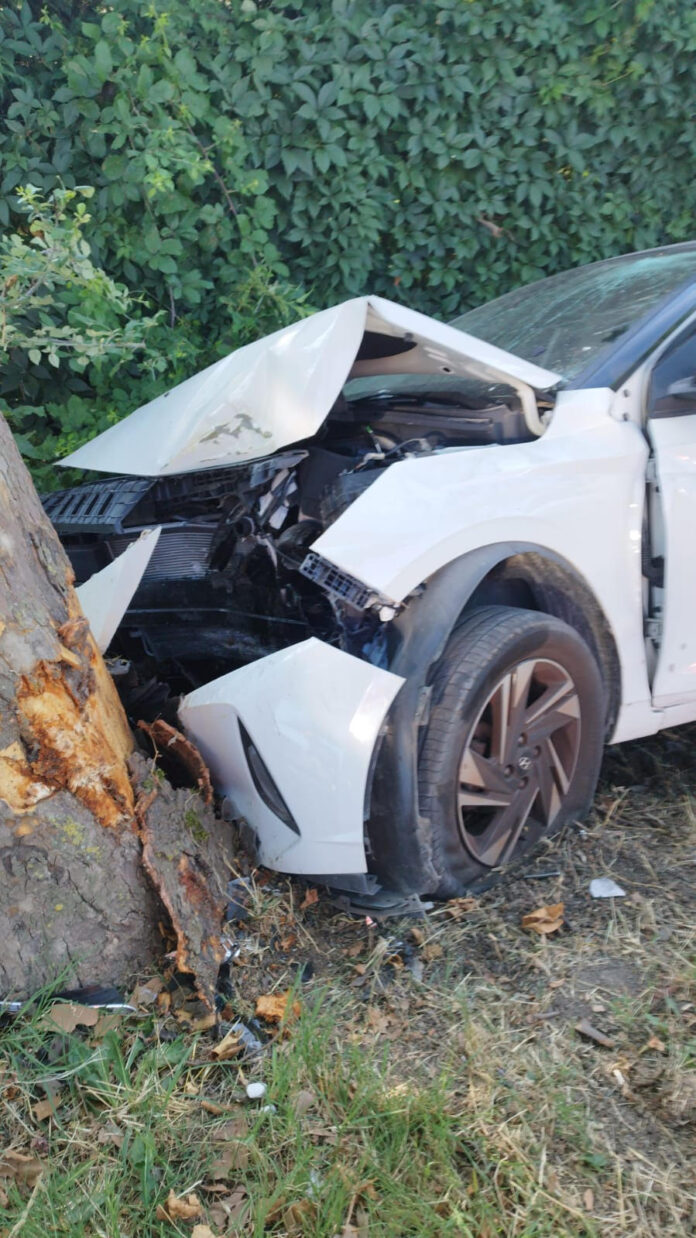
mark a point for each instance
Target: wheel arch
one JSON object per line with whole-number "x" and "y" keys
{"x": 505, "y": 573}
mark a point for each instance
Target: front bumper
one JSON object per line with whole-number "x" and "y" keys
{"x": 290, "y": 740}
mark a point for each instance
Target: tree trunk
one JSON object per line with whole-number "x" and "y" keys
{"x": 75, "y": 899}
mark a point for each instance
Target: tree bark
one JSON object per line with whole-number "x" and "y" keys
{"x": 75, "y": 898}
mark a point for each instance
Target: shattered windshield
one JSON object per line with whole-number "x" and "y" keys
{"x": 562, "y": 322}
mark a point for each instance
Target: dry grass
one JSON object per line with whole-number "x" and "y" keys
{"x": 447, "y": 1090}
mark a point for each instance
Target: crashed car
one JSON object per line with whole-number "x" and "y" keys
{"x": 410, "y": 576}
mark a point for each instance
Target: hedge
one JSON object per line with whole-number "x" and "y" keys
{"x": 246, "y": 153}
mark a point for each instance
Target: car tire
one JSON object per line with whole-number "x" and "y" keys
{"x": 513, "y": 743}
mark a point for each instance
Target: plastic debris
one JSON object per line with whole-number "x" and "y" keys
{"x": 605, "y": 887}
{"x": 249, "y": 1042}
{"x": 240, "y": 893}
{"x": 256, "y": 1091}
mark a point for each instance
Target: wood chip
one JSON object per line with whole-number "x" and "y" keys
{"x": 274, "y": 1007}
{"x": 587, "y": 1029}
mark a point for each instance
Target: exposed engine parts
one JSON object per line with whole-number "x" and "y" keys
{"x": 232, "y": 578}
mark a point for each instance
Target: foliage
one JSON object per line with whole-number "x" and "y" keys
{"x": 438, "y": 152}
{"x": 57, "y": 307}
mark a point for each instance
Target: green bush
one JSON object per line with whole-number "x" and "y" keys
{"x": 437, "y": 152}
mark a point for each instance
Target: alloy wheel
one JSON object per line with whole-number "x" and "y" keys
{"x": 518, "y": 760}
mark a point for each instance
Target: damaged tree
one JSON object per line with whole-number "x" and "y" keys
{"x": 92, "y": 843}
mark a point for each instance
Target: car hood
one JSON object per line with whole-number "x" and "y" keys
{"x": 280, "y": 389}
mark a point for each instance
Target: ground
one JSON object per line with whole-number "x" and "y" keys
{"x": 428, "y": 1077}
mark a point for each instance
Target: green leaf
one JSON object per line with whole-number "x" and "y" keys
{"x": 102, "y": 60}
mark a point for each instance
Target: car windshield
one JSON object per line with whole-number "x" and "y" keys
{"x": 561, "y": 323}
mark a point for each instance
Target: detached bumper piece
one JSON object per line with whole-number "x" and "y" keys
{"x": 290, "y": 740}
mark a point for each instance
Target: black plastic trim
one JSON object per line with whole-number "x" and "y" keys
{"x": 264, "y": 781}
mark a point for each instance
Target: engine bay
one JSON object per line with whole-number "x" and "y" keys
{"x": 231, "y": 580}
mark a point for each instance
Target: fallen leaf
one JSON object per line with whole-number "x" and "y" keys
{"x": 223, "y": 1211}
{"x": 275, "y": 1210}
{"x": 556, "y": 984}
{"x": 544, "y": 920}
{"x": 654, "y": 1043}
{"x": 111, "y": 1133}
{"x": 4, "y": 1198}
{"x": 356, "y": 1225}
{"x": 146, "y": 993}
{"x": 458, "y": 907}
{"x": 202, "y": 1231}
{"x": 310, "y": 898}
{"x": 304, "y": 1101}
{"x": 587, "y": 1029}
{"x": 432, "y": 951}
{"x": 66, "y": 1016}
{"x": 21, "y": 1168}
{"x": 273, "y": 1007}
{"x": 588, "y": 1200}
{"x": 45, "y": 1108}
{"x": 233, "y": 1128}
{"x": 196, "y": 1022}
{"x": 109, "y": 1021}
{"x": 230, "y": 1046}
{"x": 179, "y": 1209}
{"x": 297, "y": 1216}
{"x": 233, "y": 1156}
{"x": 376, "y": 1020}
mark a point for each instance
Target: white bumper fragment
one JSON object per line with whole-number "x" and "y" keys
{"x": 106, "y": 596}
{"x": 312, "y": 714}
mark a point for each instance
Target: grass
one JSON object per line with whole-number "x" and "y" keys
{"x": 434, "y": 1082}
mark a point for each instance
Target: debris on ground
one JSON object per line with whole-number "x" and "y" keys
{"x": 544, "y": 920}
{"x": 240, "y": 893}
{"x": 605, "y": 887}
{"x": 179, "y": 1209}
{"x": 275, "y": 1007}
{"x": 590, "y": 1032}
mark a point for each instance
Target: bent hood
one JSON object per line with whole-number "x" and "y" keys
{"x": 280, "y": 389}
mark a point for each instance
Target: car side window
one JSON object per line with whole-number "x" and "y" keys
{"x": 672, "y": 391}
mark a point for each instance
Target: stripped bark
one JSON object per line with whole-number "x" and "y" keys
{"x": 74, "y": 897}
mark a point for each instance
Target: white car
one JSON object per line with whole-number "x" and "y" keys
{"x": 417, "y": 575}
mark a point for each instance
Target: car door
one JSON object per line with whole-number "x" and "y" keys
{"x": 671, "y": 426}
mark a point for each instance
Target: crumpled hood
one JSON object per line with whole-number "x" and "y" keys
{"x": 280, "y": 389}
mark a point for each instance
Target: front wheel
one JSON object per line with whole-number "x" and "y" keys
{"x": 513, "y": 744}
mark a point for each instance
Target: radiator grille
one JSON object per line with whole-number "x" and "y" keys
{"x": 180, "y": 554}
